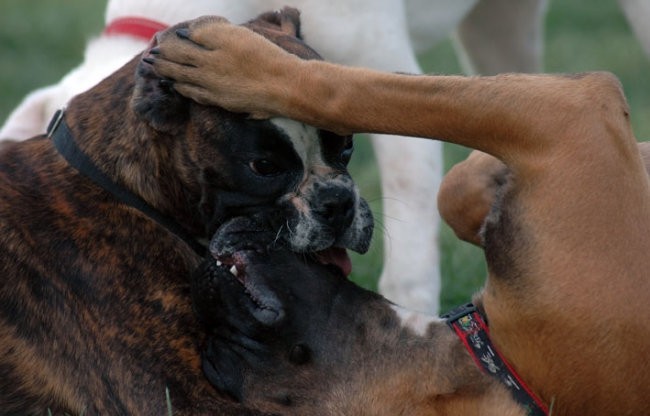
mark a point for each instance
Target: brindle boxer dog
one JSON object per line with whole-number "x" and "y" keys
{"x": 99, "y": 237}
{"x": 566, "y": 237}
{"x": 289, "y": 335}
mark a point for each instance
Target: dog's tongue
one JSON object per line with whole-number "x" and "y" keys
{"x": 338, "y": 257}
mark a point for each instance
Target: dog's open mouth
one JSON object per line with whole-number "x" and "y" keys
{"x": 335, "y": 256}
{"x": 265, "y": 305}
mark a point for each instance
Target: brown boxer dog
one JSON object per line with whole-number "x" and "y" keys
{"x": 101, "y": 224}
{"x": 566, "y": 238}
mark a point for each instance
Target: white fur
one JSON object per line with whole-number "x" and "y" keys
{"x": 417, "y": 322}
{"x": 304, "y": 139}
{"x": 371, "y": 33}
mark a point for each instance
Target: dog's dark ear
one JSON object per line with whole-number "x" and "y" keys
{"x": 283, "y": 28}
{"x": 286, "y": 20}
{"x": 155, "y": 100}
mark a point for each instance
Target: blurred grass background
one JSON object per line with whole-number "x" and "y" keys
{"x": 41, "y": 40}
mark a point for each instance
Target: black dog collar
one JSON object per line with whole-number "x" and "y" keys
{"x": 469, "y": 325}
{"x": 65, "y": 144}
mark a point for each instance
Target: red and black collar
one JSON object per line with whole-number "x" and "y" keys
{"x": 134, "y": 26}
{"x": 471, "y": 327}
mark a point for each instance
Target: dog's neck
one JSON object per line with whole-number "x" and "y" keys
{"x": 469, "y": 323}
{"x": 64, "y": 142}
{"x": 415, "y": 364}
{"x": 131, "y": 152}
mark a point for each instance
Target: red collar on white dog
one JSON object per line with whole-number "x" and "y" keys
{"x": 134, "y": 26}
{"x": 469, "y": 325}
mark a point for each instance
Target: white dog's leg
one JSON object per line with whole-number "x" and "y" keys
{"x": 410, "y": 176}
{"x": 502, "y": 36}
{"x": 638, "y": 14}
{"x": 431, "y": 21}
{"x": 374, "y": 34}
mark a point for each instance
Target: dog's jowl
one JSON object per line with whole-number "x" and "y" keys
{"x": 102, "y": 223}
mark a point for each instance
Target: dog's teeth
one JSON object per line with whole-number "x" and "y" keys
{"x": 233, "y": 270}
{"x": 219, "y": 263}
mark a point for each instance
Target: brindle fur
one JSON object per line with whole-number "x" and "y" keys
{"x": 95, "y": 310}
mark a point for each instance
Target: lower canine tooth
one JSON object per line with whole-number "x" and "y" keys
{"x": 219, "y": 263}
{"x": 233, "y": 270}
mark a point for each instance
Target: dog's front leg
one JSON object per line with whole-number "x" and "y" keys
{"x": 212, "y": 62}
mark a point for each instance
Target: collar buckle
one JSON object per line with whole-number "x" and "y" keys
{"x": 458, "y": 312}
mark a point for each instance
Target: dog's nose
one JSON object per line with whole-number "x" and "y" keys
{"x": 336, "y": 207}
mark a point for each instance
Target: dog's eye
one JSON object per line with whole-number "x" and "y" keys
{"x": 264, "y": 167}
{"x": 346, "y": 154}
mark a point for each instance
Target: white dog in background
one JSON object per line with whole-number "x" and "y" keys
{"x": 493, "y": 36}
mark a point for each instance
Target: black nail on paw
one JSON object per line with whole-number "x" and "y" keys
{"x": 183, "y": 33}
{"x": 154, "y": 51}
{"x": 148, "y": 60}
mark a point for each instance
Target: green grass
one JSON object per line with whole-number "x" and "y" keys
{"x": 40, "y": 40}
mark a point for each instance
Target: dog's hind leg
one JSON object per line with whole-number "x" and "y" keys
{"x": 411, "y": 171}
{"x": 502, "y": 36}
